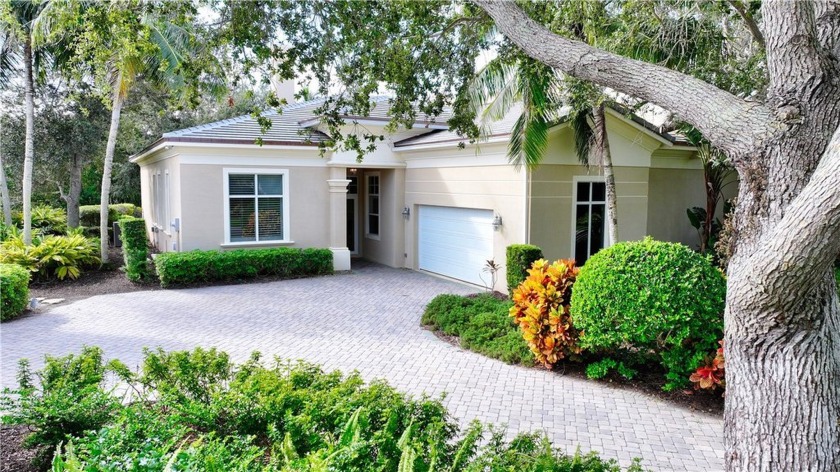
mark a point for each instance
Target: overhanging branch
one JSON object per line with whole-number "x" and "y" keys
{"x": 729, "y": 122}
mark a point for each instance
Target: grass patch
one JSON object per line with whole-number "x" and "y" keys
{"x": 482, "y": 323}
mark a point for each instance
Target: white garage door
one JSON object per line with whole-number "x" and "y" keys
{"x": 455, "y": 242}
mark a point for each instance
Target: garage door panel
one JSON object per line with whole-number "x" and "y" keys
{"x": 455, "y": 242}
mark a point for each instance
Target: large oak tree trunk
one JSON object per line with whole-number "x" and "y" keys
{"x": 29, "y": 141}
{"x": 105, "y": 198}
{"x": 782, "y": 324}
{"x": 602, "y": 143}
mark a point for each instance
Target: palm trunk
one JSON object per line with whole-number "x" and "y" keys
{"x": 106, "y": 170}
{"x": 29, "y": 146}
{"x": 72, "y": 196}
{"x": 603, "y": 144}
{"x": 4, "y": 190}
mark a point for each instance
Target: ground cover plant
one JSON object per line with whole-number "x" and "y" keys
{"x": 195, "y": 267}
{"x": 14, "y": 290}
{"x": 200, "y": 411}
{"x": 482, "y": 324}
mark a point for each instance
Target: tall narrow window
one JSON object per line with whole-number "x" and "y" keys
{"x": 373, "y": 205}
{"x": 590, "y": 218}
{"x": 166, "y": 205}
{"x": 256, "y": 210}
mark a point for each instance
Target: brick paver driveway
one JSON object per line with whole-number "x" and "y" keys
{"x": 368, "y": 320}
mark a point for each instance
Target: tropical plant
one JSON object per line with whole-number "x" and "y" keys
{"x": 711, "y": 374}
{"x": 59, "y": 256}
{"x": 541, "y": 309}
{"x": 14, "y": 290}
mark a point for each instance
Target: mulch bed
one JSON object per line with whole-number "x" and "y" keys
{"x": 646, "y": 382}
{"x": 13, "y": 456}
{"x": 106, "y": 280}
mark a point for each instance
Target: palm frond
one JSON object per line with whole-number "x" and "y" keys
{"x": 584, "y": 134}
{"x": 10, "y": 57}
{"x": 528, "y": 141}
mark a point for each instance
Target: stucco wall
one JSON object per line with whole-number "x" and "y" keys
{"x": 163, "y": 237}
{"x": 202, "y": 187}
{"x": 551, "y": 205}
{"x": 490, "y": 187}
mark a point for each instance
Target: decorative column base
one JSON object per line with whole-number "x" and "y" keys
{"x": 341, "y": 258}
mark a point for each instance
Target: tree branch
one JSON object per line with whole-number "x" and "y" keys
{"x": 808, "y": 237}
{"x": 729, "y": 122}
{"x": 827, "y": 14}
{"x": 745, "y": 15}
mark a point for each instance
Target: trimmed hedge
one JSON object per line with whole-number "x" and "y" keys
{"x": 14, "y": 290}
{"x": 135, "y": 249}
{"x": 653, "y": 299}
{"x": 519, "y": 260}
{"x": 194, "y": 267}
{"x": 89, "y": 214}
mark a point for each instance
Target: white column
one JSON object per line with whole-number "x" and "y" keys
{"x": 338, "y": 220}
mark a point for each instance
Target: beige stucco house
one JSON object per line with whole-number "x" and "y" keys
{"x": 419, "y": 201}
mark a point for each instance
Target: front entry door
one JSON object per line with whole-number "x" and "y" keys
{"x": 352, "y": 225}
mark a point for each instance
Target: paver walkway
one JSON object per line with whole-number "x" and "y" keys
{"x": 368, "y": 320}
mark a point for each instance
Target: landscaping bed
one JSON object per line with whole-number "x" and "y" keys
{"x": 490, "y": 331}
{"x": 199, "y": 411}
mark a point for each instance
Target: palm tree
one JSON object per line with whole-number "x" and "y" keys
{"x": 123, "y": 43}
{"x": 546, "y": 98}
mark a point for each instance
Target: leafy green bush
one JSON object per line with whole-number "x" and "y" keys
{"x": 482, "y": 323}
{"x": 198, "y": 411}
{"x": 61, "y": 256}
{"x": 519, "y": 260}
{"x": 600, "y": 369}
{"x": 45, "y": 220}
{"x": 89, "y": 214}
{"x": 14, "y": 290}
{"x": 185, "y": 268}
{"x": 651, "y": 297}
{"x": 135, "y": 248}
{"x": 70, "y": 400}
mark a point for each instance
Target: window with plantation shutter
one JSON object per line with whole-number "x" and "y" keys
{"x": 257, "y": 207}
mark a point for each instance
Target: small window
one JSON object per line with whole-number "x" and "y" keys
{"x": 373, "y": 205}
{"x": 590, "y": 220}
{"x": 256, "y": 207}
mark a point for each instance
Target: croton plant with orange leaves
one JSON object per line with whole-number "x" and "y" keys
{"x": 541, "y": 309}
{"x": 710, "y": 375}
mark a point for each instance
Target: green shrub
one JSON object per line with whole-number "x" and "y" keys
{"x": 60, "y": 256}
{"x": 482, "y": 323}
{"x": 135, "y": 248}
{"x": 14, "y": 290}
{"x": 89, "y": 214}
{"x": 198, "y": 411}
{"x": 600, "y": 369}
{"x": 651, "y": 297}
{"x": 45, "y": 220}
{"x": 72, "y": 398}
{"x": 185, "y": 268}
{"x": 519, "y": 260}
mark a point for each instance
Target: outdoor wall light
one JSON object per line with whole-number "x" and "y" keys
{"x": 406, "y": 212}
{"x": 497, "y": 222}
{"x": 353, "y": 171}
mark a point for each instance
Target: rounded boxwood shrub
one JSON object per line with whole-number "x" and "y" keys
{"x": 14, "y": 290}
{"x": 651, "y": 298}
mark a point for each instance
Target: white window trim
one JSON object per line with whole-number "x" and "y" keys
{"x": 287, "y": 233}
{"x": 368, "y": 234}
{"x": 575, "y": 180}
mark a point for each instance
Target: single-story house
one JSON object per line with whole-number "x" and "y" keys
{"x": 420, "y": 201}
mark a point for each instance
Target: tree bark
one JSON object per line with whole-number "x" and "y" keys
{"x": 602, "y": 143}
{"x": 6, "y": 199}
{"x": 782, "y": 323}
{"x": 105, "y": 200}
{"x": 29, "y": 141}
{"x": 71, "y": 198}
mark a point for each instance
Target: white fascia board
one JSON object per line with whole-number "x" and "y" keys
{"x": 452, "y": 144}
{"x": 316, "y": 122}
